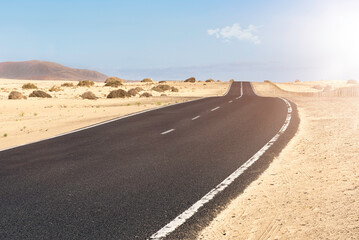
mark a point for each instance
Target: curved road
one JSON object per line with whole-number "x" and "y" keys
{"x": 128, "y": 178}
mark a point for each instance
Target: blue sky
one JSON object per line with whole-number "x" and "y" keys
{"x": 244, "y": 40}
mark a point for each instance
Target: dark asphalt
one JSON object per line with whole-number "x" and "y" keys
{"x": 124, "y": 179}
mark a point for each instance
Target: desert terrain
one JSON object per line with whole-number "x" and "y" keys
{"x": 27, "y": 120}
{"x": 310, "y": 191}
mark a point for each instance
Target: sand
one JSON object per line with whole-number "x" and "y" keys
{"x": 311, "y": 189}
{"x": 25, "y": 121}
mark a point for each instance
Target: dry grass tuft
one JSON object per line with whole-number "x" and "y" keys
{"x": 133, "y": 92}
{"x": 162, "y": 82}
{"x": 174, "y": 89}
{"x": 161, "y": 88}
{"x": 120, "y": 93}
{"x": 146, "y": 94}
{"x": 147, "y": 80}
{"x": 16, "y": 95}
{"x": 88, "y": 95}
{"x": 139, "y": 89}
{"x": 85, "y": 83}
{"x": 29, "y": 86}
{"x": 67, "y": 84}
{"x": 114, "y": 83}
{"x": 115, "y": 79}
{"x": 55, "y": 89}
{"x": 297, "y": 80}
{"x": 40, "y": 94}
{"x": 191, "y": 80}
{"x": 210, "y": 80}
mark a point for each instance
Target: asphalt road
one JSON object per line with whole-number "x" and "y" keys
{"x": 128, "y": 178}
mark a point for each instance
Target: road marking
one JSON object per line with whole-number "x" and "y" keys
{"x": 168, "y": 131}
{"x": 214, "y": 109}
{"x": 196, "y": 117}
{"x": 179, "y": 220}
{"x": 230, "y": 101}
{"x": 238, "y": 97}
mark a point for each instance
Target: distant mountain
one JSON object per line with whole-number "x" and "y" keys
{"x": 40, "y": 70}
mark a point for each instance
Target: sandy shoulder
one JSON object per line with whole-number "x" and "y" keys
{"x": 311, "y": 189}
{"x": 33, "y": 119}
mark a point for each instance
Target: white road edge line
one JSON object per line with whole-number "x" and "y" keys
{"x": 214, "y": 109}
{"x": 179, "y": 220}
{"x": 168, "y": 131}
{"x": 107, "y": 121}
{"x": 196, "y": 117}
{"x": 230, "y": 101}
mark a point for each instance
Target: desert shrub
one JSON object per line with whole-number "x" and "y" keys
{"x": 266, "y": 81}
{"x": 147, "y": 80}
{"x": 146, "y": 94}
{"x": 85, "y": 83}
{"x": 210, "y": 80}
{"x": 191, "y": 79}
{"x": 55, "y": 89}
{"x": 67, "y": 84}
{"x": 327, "y": 88}
{"x": 139, "y": 89}
{"x": 351, "y": 81}
{"x": 88, "y": 95}
{"x": 114, "y": 79}
{"x": 113, "y": 84}
{"x": 318, "y": 87}
{"x": 173, "y": 89}
{"x": 133, "y": 92}
{"x": 118, "y": 94}
{"x": 29, "y": 86}
{"x": 40, "y": 94}
{"x": 297, "y": 80}
{"x": 218, "y": 80}
{"x": 161, "y": 88}
{"x": 232, "y": 80}
{"x": 163, "y": 95}
{"x": 16, "y": 95}
{"x": 162, "y": 82}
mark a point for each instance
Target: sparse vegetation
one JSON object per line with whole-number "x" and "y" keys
{"x": 114, "y": 83}
{"x": 35, "y": 114}
{"x": 218, "y": 80}
{"x": 5, "y": 135}
{"x": 139, "y": 89}
{"x": 159, "y": 103}
{"x": 297, "y": 80}
{"x": 266, "y": 81}
{"x": 146, "y": 94}
{"x": 191, "y": 80}
{"x": 161, "y": 88}
{"x": 115, "y": 79}
{"x": 67, "y": 84}
{"x": 162, "y": 82}
{"x": 210, "y": 80}
{"x": 16, "y": 95}
{"x": 232, "y": 80}
{"x": 55, "y": 89}
{"x": 174, "y": 89}
{"x": 29, "y": 86}
{"x": 120, "y": 93}
{"x": 40, "y": 94}
{"x": 86, "y": 83}
{"x": 88, "y": 95}
{"x": 351, "y": 81}
{"x": 163, "y": 95}
{"x": 147, "y": 80}
{"x": 133, "y": 92}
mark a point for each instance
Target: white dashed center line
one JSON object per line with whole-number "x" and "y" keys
{"x": 168, "y": 131}
{"x": 214, "y": 109}
{"x": 230, "y": 101}
{"x": 196, "y": 117}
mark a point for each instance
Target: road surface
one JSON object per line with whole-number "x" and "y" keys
{"x": 128, "y": 178}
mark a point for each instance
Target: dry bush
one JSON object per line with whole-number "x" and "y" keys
{"x": 29, "y": 86}
{"x": 266, "y": 81}
{"x": 163, "y": 95}
{"x": 162, "y": 82}
{"x": 327, "y": 88}
{"x": 16, "y": 95}
{"x": 161, "y": 88}
{"x": 67, "y": 84}
{"x": 191, "y": 79}
{"x": 115, "y": 79}
{"x": 147, "y": 80}
{"x": 113, "y": 84}
{"x": 118, "y": 94}
{"x": 146, "y": 94}
{"x": 133, "y": 92}
{"x": 88, "y": 95}
{"x": 139, "y": 89}
{"x": 210, "y": 80}
{"x": 318, "y": 87}
{"x": 174, "y": 89}
{"x": 40, "y": 94}
{"x": 218, "y": 80}
{"x": 85, "y": 83}
{"x": 297, "y": 80}
{"x": 232, "y": 80}
{"x": 351, "y": 81}
{"x": 55, "y": 89}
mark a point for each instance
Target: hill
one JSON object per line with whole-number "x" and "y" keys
{"x": 41, "y": 70}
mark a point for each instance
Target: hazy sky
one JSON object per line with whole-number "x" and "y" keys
{"x": 245, "y": 40}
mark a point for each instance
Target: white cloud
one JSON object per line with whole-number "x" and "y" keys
{"x": 236, "y": 31}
